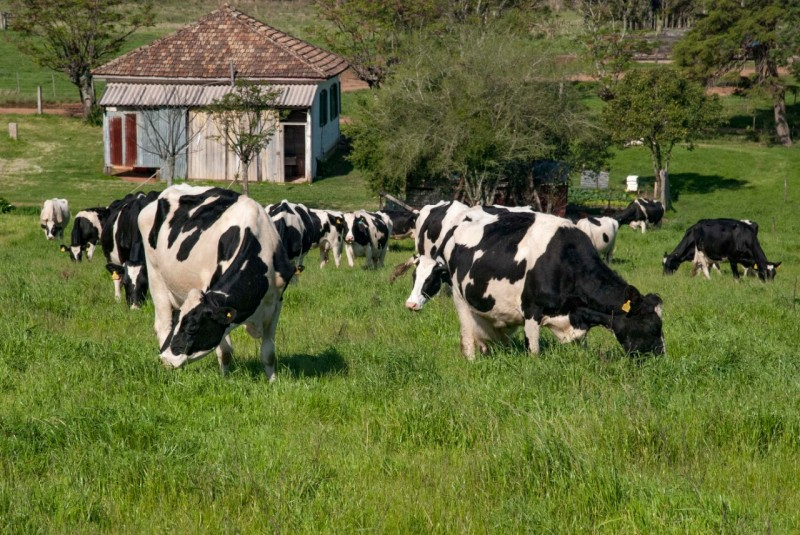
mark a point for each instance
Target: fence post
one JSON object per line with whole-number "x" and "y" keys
{"x": 12, "y": 130}
{"x": 39, "y": 100}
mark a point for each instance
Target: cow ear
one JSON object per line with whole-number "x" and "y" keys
{"x": 776, "y": 265}
{"x": 225, "y": 315}
{"x": 631, "y": 298}
{"x": 114, "y": 269}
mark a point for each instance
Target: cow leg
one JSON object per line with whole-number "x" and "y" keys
{"x": 337, "y": 254}
{"x": 323, "y": 254}
{"x": 734, "y": 269}
{"x": 90, "y": 251}
{"x": 224, "y": 354}
{"x": 268, "y": 343}
{"x": 348, "y": 248}
{"x": 532, "y": 329}
{"x": 162, "y": 305}
{"x": 467, "y": 324}
{"x": 117, "y": 287}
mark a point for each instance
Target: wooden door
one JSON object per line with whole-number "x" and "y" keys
{"x": 115, "y": 140}
{"x": 130, "y": 139}
{"x": 294, "y": 151}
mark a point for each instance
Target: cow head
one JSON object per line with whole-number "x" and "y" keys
{"x": 133, "y": 277}
{"x": 197, "y": 328}
{"x": 671, "y": 263}
{"x": 637, "y": 324}
{"x": 51, "y": 229}
{"x": 76, "y": 251}
{"x": 428, "y": 278}
{"x": 767, "y": 272}
{"x": 356, "y": 229}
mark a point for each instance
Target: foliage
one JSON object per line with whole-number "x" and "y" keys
{"x": 372, "y": 35}
{"x": 734, "y": 32}
{"x": 661, "y": 108}
{"x": 246, "y": 118}
{"x": 469, "y": 104}
{"x": 75, "y": 36}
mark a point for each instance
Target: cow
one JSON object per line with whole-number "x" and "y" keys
{"x": 603, "y": 233}
{"x": 86, "y": 231}
{"x": 54, "y": 217}
{"x": 329, "y": 233}
{"x": 215, "y": 262}
{"x": 295, "y": 228}
{"x": 713, "y": 240}
{"x": 522, "y": 268}
{"x": 641, "y": 213}
{"x": 367, "y": 234}
{"x": 123, "y": 247}
{"x": 403, "y": 222}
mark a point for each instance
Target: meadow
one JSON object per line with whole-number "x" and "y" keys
{"x": 376, "y": 423}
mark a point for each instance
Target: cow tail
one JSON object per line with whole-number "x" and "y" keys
{"x": 400, "y": 270}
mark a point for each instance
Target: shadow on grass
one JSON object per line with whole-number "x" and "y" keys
{"x": 337, "y": 164}
{"x": 406, "y": 245}
{"x": 328, "y": 362}
{"x": 695, "y": 183}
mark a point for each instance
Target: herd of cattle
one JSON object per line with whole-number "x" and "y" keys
{"x": 213, "y": 260}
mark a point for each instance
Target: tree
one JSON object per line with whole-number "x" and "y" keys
{"x": 166, "y": 133}
{"x": 468, "y": 108}
{"x": 735, "y": 32}
{"x": 661, "y": 108}
{"x": 246, "y": 119}
{"x": 75, "y": 36}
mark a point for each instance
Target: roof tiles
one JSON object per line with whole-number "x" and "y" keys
{"x": 205, "y": 50}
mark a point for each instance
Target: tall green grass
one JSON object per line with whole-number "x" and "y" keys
{"x": 376, "y": 422}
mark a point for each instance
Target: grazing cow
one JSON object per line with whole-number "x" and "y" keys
{"x": 86, "y": 231}
{"x": 367, "y": 234}
{"x": 329, "y": 231}
{"x": 517, "y": 268}
{"x": 403, "y": 222}
{"x": 641, "y": 213}
{"x": 215, "y": 262}
{"x": 124, "y": 249}
{"x": 603, "y": 233}
{"x": 713, "y": 240}
{"x": 54, "y": 217}
{"x": 295, "y": 228}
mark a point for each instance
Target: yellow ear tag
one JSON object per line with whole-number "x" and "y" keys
{"x": 755, "y": 266}
{"x": 338, "y": 221}
{"x": 114, "y": 276}
{"x": 228, "y": 315}
{"x": 626, "y": 306}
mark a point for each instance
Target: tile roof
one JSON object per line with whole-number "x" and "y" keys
{"x": 144, "y": 95}
{"x": 204, "y": 50}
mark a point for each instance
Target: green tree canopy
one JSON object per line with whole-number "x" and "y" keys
{"x": 660, "y": 108}
{"x": 467, "y": 108}
{"x": 734, "y": 32}
{"x": 75, "y": 36}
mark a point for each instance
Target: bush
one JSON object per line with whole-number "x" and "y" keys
{"x": 5, "y": 206}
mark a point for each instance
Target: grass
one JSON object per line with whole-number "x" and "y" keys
{"x": 376, "y": 422}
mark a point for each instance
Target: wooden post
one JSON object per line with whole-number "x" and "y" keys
{"x": 396, "y": 201}
{"x": 39, "y": 99}
{"x": 12, "y": 130}
{"x": 3, "y": 20}
{"x": 53, "y": 76}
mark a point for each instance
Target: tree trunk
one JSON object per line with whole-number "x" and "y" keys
{"x": 245, "y": 174}
{"x": 88, "y": 98}
{"x": 781, "y": 124}
{"x": 665, "y": 195}
{"x": 169, "y": 171}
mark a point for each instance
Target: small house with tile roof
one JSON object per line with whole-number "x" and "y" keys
{"x": 197, "y": 65}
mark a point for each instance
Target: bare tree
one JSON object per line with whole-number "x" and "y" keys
{"x": 166, "y": 132}
{"x": 246, "y": 118}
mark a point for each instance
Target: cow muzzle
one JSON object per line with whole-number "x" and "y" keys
{"x": 413, "y": 305}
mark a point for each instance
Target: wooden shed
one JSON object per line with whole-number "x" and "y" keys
{"x": 177, "y": 75}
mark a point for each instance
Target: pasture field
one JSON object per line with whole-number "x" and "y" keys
{"x": 376, "y": 423}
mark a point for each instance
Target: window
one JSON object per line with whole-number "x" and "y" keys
{"x": 334, "y": 101}
{"x": 323, "y": 107}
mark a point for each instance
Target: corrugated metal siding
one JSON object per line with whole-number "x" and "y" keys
{"x": 151, "y": 95}
{"x": 162, "y": 121}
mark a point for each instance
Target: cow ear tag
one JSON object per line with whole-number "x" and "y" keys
{"x": 114, "y": 276}
{"x": 755, "y": 266}
{"x": 626, "y": 306}
{"x": 338, "y": 221}
{"x": 228, "y": 315}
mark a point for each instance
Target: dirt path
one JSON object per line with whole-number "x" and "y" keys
{"x": 69, "y": 110}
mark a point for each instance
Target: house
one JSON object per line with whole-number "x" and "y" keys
{"x": 184, "y": 71}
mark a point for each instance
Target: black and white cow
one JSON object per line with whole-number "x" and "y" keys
{"x": 367, "y": 234}
{"x": 403, "y": 222}
{"x": 603, "y": 233}
{"x": 713, "y": 240}
{"x": 295, "y": 227}
{"x": 124, "y": 249}
{"x": 215, "y": 262}
{"x": 517, "y": 268}
{"x": 329, "y": 233}
{"x": 54, "y": 217}
{"x": 86, "y": 231}
{"x": 641, "y": 213}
